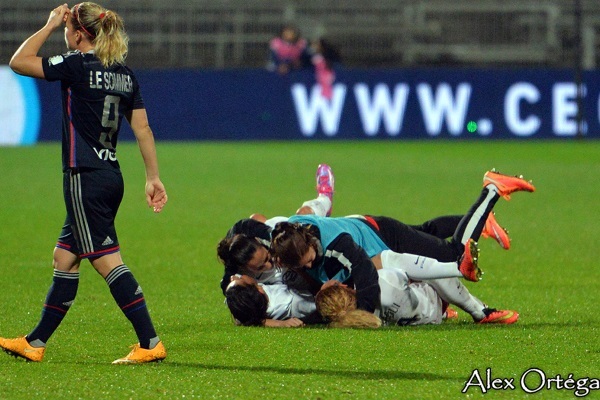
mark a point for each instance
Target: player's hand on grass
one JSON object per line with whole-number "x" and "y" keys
{"x": 288, "y": 323}
{"x": 156, "y": 195}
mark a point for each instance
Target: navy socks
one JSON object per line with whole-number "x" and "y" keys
{"x": 128, "y": 295}
{"x": 58, "y": 301}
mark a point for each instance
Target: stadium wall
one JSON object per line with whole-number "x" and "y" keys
{"x": 255, "y": 104}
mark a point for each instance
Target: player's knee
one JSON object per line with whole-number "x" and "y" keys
{"x": 258, "y": 217}
{"x": 64, "y": 260}
{"x": 305, "y": 210}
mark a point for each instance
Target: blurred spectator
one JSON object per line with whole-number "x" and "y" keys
{"x": 325, "y": 57}
{"x": 289, "y": 51}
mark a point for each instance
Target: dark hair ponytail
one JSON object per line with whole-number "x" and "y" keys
{"x": 236, "y": 252}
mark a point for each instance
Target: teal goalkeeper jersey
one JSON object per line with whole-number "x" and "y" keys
{"x": 330, "y": 228}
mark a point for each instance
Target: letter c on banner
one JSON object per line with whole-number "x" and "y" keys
{"x": 512, "y": 110}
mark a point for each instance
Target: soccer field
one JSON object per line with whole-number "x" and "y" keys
{"x": 550, "y": 275}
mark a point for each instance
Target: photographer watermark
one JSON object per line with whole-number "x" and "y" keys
{"x": 533, "y": 380}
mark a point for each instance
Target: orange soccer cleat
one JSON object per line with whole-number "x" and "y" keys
{"x": 20, "y": 347}
{"x": 138, "y": 355}
{"x": 493, "y": 230}
{"x": 468, "y": 264}
{"x": 493, "y": 316}
{"x": 507, "y": 184}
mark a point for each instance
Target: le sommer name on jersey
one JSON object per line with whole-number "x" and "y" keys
{"x": 111, "y": 81}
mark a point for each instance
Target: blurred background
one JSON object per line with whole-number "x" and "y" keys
{"x": 397, "y": 68}
{"x": 379, "y": 33}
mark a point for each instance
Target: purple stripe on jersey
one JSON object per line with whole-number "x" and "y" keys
{"x": 62, "y": 310}
{"x": 63, "y": 246}
{"x": 100, "y": 253}
{"x": 72, "y": 155}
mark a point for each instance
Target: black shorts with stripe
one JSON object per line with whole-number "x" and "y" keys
{"x": 92, "y": 198}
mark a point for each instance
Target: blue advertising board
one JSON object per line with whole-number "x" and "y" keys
{"x": 252, "y": 104}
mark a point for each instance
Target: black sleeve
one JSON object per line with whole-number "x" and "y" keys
{"x": 252, "y": 228}
{"x": 343, "y": 252}
{"x": 66, "y": 67}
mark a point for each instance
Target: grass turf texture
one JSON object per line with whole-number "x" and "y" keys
{"x": 550, "y": 275}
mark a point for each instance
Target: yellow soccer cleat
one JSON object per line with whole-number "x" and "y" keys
{"x": 138, "y": 355}
{"x": 20, "y": 347}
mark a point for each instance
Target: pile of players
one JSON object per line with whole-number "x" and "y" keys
{"x": 361, "y": 270}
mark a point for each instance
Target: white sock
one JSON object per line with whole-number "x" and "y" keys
{"x": 320, "y": 206}
{"x": 452, "y": 291}
{"x": 419, "y": 267}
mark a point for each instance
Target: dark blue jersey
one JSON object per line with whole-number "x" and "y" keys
{"x": 94, "y": 101}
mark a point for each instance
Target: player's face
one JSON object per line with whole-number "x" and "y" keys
{"x": 70, "y": 34}
{"x": 289, "y": 35}
{"x": 260, "y": 262}
{"x": 309, "y": 258}
{"x": 245, "y": 280}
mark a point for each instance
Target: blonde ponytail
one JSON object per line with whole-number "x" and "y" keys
{"x": 337, "y": 304}
{"x": 106, "y": 30}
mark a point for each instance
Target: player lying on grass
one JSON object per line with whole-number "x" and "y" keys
{"x": 405, "y": 302}
{"x": 248, "y": 253}
{"x": 344, "y": 248}
{"x": 244, "y": 250}
{"x": 338, "y": 247}
{"x": 280, "y": 305}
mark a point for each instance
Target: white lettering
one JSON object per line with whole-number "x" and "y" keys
{"x": 564, "y": 110}
{"x": 371, "y": 111}
{"x": 512, "y": 115}
{"x": 542, "y": 376}
{"x": 105, "y": 154}
{"x": 117, "y": 82}
{"x": 444, "y": 106}
{"x": 475, "y": 375}
{"x": 309, "y": 111}
{"x": 98, "y": 79}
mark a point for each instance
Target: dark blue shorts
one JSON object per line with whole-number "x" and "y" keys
{"x": 92, "y": 198}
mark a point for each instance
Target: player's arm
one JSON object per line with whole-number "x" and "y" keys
{"x": 25, "y": 61}
{"x": 288, "y": 323}
{"x": 354, "y": 259}
{"x": 156, "y": 195}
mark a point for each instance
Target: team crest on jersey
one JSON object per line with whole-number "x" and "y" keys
{"x": 55, "y": 60}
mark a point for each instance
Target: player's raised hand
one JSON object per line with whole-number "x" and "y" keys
{"x": 156, "y": 195}
{"x": 58, "y": 16}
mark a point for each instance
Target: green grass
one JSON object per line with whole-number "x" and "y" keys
{"x": 550, "y": 275}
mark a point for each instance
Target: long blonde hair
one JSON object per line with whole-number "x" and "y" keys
{"x": 337, "y": 304}
{"x": 106, "y": 30}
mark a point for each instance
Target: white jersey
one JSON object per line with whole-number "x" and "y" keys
{"x": 275, "y": 220}
{"x": 283, "y": 276}
{"x": 285, "y": 303}
{"x": 402, "y": 302}
{"x": 405, "y": 303}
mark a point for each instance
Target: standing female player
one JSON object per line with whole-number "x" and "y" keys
{"x": 97, "y": 91}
